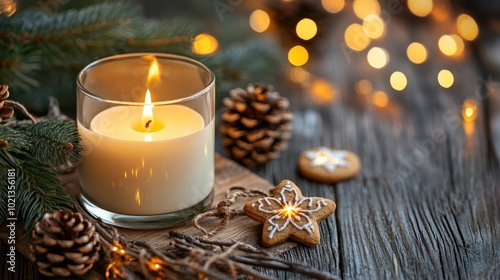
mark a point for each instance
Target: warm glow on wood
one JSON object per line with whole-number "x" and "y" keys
{"x": 259, "y": 21}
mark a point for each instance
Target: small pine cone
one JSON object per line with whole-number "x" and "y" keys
{"x": 6, "y": 112}
{"x": 64, "y": 244}
{"x": 256, "y": 124}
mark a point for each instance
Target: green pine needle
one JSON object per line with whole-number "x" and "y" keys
{"x": 55, "y": 144}
{"x": 18, "y": 144}
{"x": 38, "y": 191}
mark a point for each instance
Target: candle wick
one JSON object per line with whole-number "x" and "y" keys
{"x": 147, "y": 125}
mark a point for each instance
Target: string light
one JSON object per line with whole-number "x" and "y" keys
{"x": 323, "y": 91}
{"x": 356, "y": 38}
{"x": 363, "y": 8}
{"x": 374, "y": 26}
{"x": 459, "y": 43}
{"x": 420, "y": 8}
{"x": 306, "y": 29}
{"x": 445, "y": 78}
{"x": 469, "y": 110}
{"x": 447, "y": 45}
{"x": 417, "y": 53}
{"x": 259, "y": 21}
{"x": 298, "y": 55}
{"x": 467, "y": 27}
{"x": 380, "y": 99}
{"x": 377, "y": 57}
{"x": 298, "y": 75}
{"x": 398, "y": 81}
{"x": 333, "y": 6}
{"x": 204, "y": 44}
{"x": 363, "y": 87}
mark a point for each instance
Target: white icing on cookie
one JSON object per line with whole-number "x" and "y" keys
{"x": 327, "y": 158}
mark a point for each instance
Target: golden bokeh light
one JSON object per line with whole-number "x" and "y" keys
{"x": 380, "y": 99}
{"x": 374, "y": 26}
{"x": 420, "y": 8}
{"x": 298, "y": 75}
{"x": 459, "y": 43}
{"x": 377, "y": 57}
{"x": 447, "y": 45}
{"x": 363, "y": 8}
{"x": 398, "y": 81}
{"x": 446, "y": 78}
{"x": 469, "y": 110}
{"x": 333, "y": 6}
{"x": 467, "y": 27}
{"x": 306, "y": 29}
{"x": 417, "y": 53}
{"x": 259, "y": 21}
{"x": 322, "y": 90}
{"x": 363, "y": 87}
{"x": 204, "y": 44}
{"x": 298, "y": 56}
{"x": 356, "y": 38}
{"x": 8, "y": 7}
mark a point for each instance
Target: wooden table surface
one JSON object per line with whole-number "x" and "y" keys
{"x": 426, "y": 203}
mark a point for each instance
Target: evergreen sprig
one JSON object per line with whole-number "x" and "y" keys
{"x": 37, "y": 152}
{"x": 44, "y": 51}
{"x": 55, "y": 144}
{"x": 38, "y": 191}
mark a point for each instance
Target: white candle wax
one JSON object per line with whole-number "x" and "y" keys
{"x": 130, "y": 171}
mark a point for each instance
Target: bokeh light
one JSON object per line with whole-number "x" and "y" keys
{"x": 356, "y": 38}
{"x": 420, "y": 8}
{"x": 373, "y": 26}
{"x": 298, "y": 75}
{"x": 306, "y": 29}
{"x": 298, "y": 56}
{"x": 467, "y": 27}
{"x": 204, "y": 44}
{"x": 417, "y": 53}
{"x": 446, "y": 78}
{"x": 363, "y": 8}
{"x": 398, "y": 81}
{"x": 377, "y": 57}
{"x": 8, "y": 7}
{"x": 380, "y": 99}
{"x": 333, "y": 6}
{"x": 322, "y": 90}
{"x": 447, "y": 45}
{"x": 469, "y": 110}
{"x": 363, "y": 87}
{"x": 259, "y": 21}
{"x": 459, "y": 43}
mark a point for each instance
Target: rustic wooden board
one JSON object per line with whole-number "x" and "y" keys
{"x": 227, "y": 175}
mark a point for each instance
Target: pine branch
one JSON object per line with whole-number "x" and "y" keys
{"x": 38, "y": 191}
{"x": 17, "y": 144}
{"x": 55, "y": 144}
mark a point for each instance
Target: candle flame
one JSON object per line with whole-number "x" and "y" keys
{"x": 153, "y": 74}
{"x": 147, "y": 112}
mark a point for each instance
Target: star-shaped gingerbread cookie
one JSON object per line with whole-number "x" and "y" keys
{"x": 288, "y": 214}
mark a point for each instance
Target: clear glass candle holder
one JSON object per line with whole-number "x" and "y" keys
{"x": 147, "y": 128}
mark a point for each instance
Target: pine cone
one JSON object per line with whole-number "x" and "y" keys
{"x": 64, "y": 244}
{"x": 256, "y": 124}
{"x": 6, "y": 112}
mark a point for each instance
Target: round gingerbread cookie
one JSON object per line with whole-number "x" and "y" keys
{"x": 326, "y": 165}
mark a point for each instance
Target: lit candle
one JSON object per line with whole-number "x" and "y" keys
{"x": 147, "y": 159}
